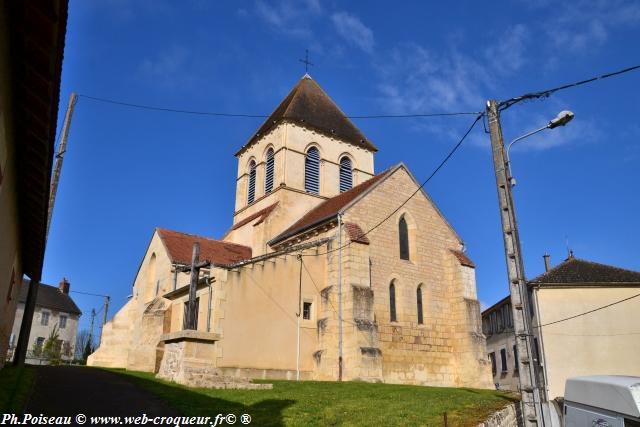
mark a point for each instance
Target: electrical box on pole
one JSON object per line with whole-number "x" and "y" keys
{"x": 531, "y": 404}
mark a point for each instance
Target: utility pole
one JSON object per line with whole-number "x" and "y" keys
{"x": 60, "y": 157}
{"x": 104, "y": 316}
{"x": 93, "y": 317}
{"x": 531, "y": 405}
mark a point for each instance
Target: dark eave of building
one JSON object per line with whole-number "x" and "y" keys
{"x": 37, "y": 35}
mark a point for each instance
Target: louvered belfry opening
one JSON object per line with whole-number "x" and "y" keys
{"x": 268, "y": 178}
{"x": 312, "y": 171}
{"x": 346, "y": 174}
{"x": 251, "y": 194}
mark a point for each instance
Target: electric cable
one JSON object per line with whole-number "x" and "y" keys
{"x": 503, "y": 105}
{"x": 435, "y": 171}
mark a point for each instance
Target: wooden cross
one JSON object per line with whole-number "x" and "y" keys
{"x": 196, "y": 265}
{"x": 306, "y": 61}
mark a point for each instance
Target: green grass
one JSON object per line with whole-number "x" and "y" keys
{"x": 313, "y": 403}
{"x": 15, "y": 385}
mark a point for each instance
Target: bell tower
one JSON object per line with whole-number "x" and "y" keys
{"x": 306, "y": 152}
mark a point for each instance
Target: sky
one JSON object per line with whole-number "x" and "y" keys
{"x": 127, "y": 171}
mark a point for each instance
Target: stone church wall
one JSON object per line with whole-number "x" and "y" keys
{"x": 419, "y": 353}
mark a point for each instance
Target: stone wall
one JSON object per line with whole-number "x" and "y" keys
{"x": 509, "y": 416}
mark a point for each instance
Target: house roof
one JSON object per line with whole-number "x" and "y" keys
{"x": 355, "y": 233}
{"x": 575, "y": 271}
{"x": 36, "y": 31}
{"x": 50, "y": 297}
{"x": 180, "y": 247}
{"x": 310, "y": 106}
{"x": 329, "y": 208}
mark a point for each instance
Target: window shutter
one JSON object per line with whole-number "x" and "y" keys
{"x": 251, "y": 195}
{"x": 346, "y": 174}
{"x": 268, "y": 179}
{"x": 312, "y": 171}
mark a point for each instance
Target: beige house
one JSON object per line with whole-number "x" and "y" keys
{"x": 31, "y": 48}
{"x": 296, "y": 287}
{"x": 54, "y": 309}
{"x": 584, "y": 324}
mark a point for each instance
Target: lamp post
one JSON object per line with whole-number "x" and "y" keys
{"x": 532, "y": 407}
{"x": 561, "y": 119}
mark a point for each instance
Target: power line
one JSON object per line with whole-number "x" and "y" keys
{"x": 503, "y": 105}
{"x": 435, "y": 171}
{"x": 262, "y": 116}
{"x": 590, "y": 311}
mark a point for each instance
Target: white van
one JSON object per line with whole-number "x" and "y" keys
{"x": 602, "y": 401}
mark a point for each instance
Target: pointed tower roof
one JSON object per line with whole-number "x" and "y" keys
{"x": 308, "y": 105}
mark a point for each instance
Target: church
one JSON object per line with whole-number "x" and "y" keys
{"x": 329, "y": 271}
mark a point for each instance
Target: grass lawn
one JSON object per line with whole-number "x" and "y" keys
{"x": 314, "y": 403}
{"x": 15, "y": 385}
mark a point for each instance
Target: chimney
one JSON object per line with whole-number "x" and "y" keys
{"x": 547, "y": 263}
{"x": 64, "y": 286}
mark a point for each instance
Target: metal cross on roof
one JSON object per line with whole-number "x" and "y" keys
{"x": 306, "y": 61}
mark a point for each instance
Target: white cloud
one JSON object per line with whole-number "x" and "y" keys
{"x": 289, "y": 17}
{"x": 509, "y": 51}
{"x": 173, "y": 67}
{"x": 353, "y": 31}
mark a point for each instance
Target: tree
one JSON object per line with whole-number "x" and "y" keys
{"x": 88, "y": 349}
{"x": 52, "y": 347}
{"x": 81, "y": 343}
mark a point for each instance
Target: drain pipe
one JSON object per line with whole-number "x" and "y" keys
{"x": 210, "y": 281}
{"x": 298, "y": 325}
{"x": 340, "y": 297}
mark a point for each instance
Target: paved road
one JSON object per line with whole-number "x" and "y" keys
{"x": 71, "y": 390}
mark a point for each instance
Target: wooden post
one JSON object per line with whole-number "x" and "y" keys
{"x": 446, "y": 421}
{"x": 195, "y": 272}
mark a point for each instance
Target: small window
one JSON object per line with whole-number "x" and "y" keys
{"x": 44, "y": 318}
{"x": 346, "y": 174}
{"x": 306, "y": 310}
{"x": 186, "y": 313}
{"x": 392, "y": 302}
{"x": 515, "y": 358}
{"x": 251, "y": 194}
{"x": 39, "y": 342}
{"x": 63, "y": 322}
{"x": 268, "y": 177}
{"x": 492, "y": 358}
{"x": 157, "y": 287}
{"x": 536, "y": 351}
{"x": 312, "y": 171}
{"x": 503, "y": 359}
{"x": 403, "y": 234}
{"x": 419, "y": 304}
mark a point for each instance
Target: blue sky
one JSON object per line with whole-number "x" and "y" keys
{"x": 127, "y": 171}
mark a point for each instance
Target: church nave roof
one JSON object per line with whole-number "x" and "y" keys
{"x": 180, "y": 246}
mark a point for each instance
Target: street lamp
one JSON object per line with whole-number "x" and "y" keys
{"x": 561, "y": 119}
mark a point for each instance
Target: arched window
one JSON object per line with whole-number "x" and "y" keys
{"x": 419, "y": 304}
{"x": 346, "y": 174}
{"x": 392, "y": 302}
{"x": 268, "y": 177}
{"x": 403, "y": 234}
{"x": 251, "y": 194}
{"x": 312, "y": 171}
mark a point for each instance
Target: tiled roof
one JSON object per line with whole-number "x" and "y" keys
{"x": 308, "y": 105}
{"x": 574, "y": 271}
{"x": 355, "y": 233}
{"x": 463, "y": 258}
{"x": 50, "y": 297}
{"x": 180, "y": 247}
{"x": 328, "y": 209}
{"x": 262, "y": 214}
